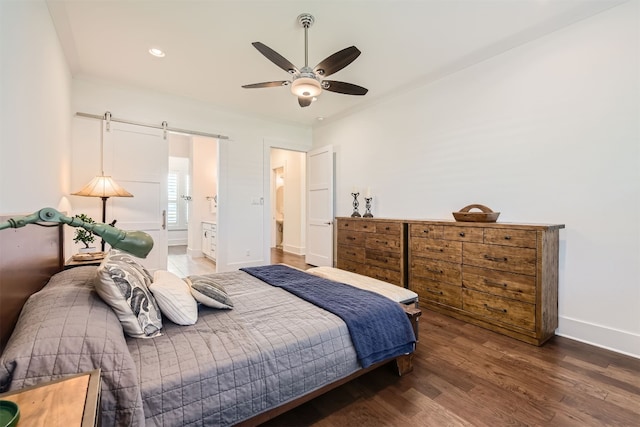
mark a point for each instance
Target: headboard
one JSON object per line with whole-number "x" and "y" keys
{"x": 29, "y": 256}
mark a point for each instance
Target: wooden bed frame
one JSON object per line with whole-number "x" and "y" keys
{"x": 29, "y": 256}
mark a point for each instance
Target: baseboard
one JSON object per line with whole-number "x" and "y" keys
{"x": 624, "y": 342}
{"x": 296, "y": 250}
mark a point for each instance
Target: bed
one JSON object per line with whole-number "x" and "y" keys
{"x": 271, "y": 352}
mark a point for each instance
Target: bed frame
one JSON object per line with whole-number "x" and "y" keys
{"x": 29, "y": 256}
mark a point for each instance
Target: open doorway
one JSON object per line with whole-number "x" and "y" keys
{"x": 192, "y": 203}
{"x": 288, "y": 204}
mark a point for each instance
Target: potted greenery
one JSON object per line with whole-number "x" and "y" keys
{"x": 85, "y": 236}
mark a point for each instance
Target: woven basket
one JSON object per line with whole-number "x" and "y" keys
{"x": 486, "y": 214}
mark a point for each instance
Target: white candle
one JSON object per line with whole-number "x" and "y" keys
{"x": 368, "y": 194}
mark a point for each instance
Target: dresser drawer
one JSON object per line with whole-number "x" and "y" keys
{"x": 426, "y": 230}
{"x": 509, "y": 285}
{"x": 356, "y": 225}
{"x": 444, "y": 250}
{"x": 442, "y": 293}
{"x": 354, "y": 267}
{"x": 352, "y": 238}
{"x": 384, "y": 275}
{"x": 388, "y": 228}
{"x": 463, "y": 234}
{"x": 500, "y": 309}
{"x": 509, "y": 237}
{"x": 514, "y": 260}
{"x": 389, "y": 260}
{"x": 352, "y": 253}
{"x": 446, "y": 272}
{"x": 385, "y": 242}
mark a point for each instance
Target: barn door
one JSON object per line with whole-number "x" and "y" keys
{"x": 137, "y": 158}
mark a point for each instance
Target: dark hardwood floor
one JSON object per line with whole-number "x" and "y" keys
{"x": 468, "y": 376}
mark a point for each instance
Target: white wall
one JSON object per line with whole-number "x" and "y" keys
{"x": 545, "y": 133}
{"x": 241, "y": 167}
{"x": 35, "y": 92}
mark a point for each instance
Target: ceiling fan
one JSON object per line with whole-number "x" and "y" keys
{"x": 307, "y": 82}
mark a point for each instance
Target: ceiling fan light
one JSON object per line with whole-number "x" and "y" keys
{"x": 306, "y": 87}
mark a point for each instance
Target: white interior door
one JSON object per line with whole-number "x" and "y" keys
{"x": 320, "y": 207}
{"x": 137, "y": 158}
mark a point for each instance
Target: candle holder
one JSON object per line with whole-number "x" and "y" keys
{"x": 367, "y": 205}
{"x": 355, "y": 213}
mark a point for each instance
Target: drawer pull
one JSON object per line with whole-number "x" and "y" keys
{"x": 433, "y": 270}
{"x": 351, "y": 238}
{"x": 387, "y": 228}
{"x": 364, "y": 226}
{"x": 496, "y": 259}
{"x": 461, "y": 234}
{"x": 507, "y": 237}
{"x": 425, "y": 231}
{"x": 495, "y": 284}
{"x": 382, "y": 241}
{"x": 496, "y": 310}
{"x": 431, "y": 291}
{"x": 351, "y": 253}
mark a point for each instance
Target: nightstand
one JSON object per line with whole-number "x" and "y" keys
{"x": 70, "y": 263}
{"x": 68, "y": 402}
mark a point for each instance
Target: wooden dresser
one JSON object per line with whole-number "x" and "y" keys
{"x": 373, "y": 247}
{"x": 500, "y": 276}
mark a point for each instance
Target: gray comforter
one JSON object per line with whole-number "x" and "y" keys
{"x": 233, "y": 364}
{"x": 271, "y": 348}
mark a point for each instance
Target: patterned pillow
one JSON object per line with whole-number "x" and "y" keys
{"x": 124, "y": 285}
{"x": 209, "y": 292}
{"x": 174, "y": 298}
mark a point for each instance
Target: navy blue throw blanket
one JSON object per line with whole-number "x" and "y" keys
{"x": 378, "y": 326}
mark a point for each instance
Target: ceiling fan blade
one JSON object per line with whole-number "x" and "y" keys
{"x": 342, "y": 87}
{"x": 304, "y": 101}
{"x": 275, "y": 57}
{"x": 266, "y": 84}
{"x": 337, "y": 61}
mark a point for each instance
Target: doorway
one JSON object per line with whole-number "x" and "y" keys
{"x": 192, "y": 195}
{"x": 287, "y": 202}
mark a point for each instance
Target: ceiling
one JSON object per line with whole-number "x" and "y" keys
{"x": 209, "y": 55}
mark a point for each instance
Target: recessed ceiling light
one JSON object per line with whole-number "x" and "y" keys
{"x": 320, "y": 118}
{"x": 156, "y": 52}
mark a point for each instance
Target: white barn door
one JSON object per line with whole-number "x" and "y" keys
{"x": 320, "y": 207}
{"x": 137, "y": 158}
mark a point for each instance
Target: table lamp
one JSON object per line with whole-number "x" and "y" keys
{"x": 104, "y": 187}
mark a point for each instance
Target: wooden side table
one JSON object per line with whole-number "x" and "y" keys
{"x": 70, "y": 263}
{"x": 68, "y": 402}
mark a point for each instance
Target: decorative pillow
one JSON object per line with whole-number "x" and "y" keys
{"x": 173, "y": 295}
{"x": 124, "y": 285}
{"x": 209, "y": 292}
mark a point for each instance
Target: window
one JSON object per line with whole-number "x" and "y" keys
{"x": 178, "y": 193}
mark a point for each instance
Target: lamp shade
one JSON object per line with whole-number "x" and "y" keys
{"x": 102, "y": 186}
{"x": 306, "y": 87}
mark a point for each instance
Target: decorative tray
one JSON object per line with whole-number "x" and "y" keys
{"x": 485, "y": 214}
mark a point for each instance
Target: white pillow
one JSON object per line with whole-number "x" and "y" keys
{"x": 208, "y": 292}
{"x": 124, "y": 285}
{"x": 174, "y": 298}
